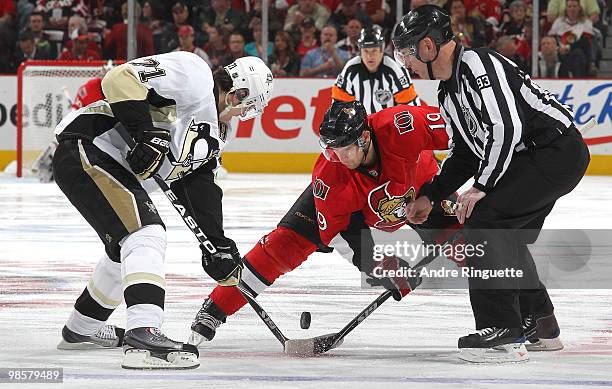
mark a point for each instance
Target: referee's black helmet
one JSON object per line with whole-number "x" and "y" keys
{"x": 424, "y": 21}
{"x": 371, "y": 37}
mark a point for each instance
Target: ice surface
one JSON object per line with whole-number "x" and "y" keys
{"x": 47, "y": 252}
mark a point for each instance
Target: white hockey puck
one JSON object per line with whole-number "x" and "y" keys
{"x": 305, "y": 320}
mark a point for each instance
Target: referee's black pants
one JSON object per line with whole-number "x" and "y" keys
{"x": 511, "y": 216}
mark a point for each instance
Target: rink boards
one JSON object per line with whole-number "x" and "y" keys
{"x": 284, "y": 138}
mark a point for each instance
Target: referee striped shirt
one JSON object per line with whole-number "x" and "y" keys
{"x": 390, "y": 85}
{"x": 490, "y": 107}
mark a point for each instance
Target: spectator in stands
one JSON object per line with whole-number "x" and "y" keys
{"x": 348, "y": 10}
{"x": 115, "y": 43}
{"x": 42, "y": 39}
{"x": 255, "y": 47}
{"x": 168, "y": 40}
{"x": 222, "y": 15}
{"x": 151, "y": 13}
{"x": 556, "y": 9}
{"x": 76, "y": 27}
{"x": 29, "y": 50}
{"x": 468, "y": 31}
{"x": 550, "y": 63}
{"x": 506, "y": 45}
{"x": 326, "y": 60}
{"x": 80, "y": 50}
{"x": 7, "y": 35}
{"x": 24, "y": 9}
{"x": 516, "y": 22}
{"x": 377, "y": 11}
{"x": 216, "y": 47}
{"x": 575, "y": 31}
{"x": 308, "y": 39}
{"x": 236, "y": 48}
{"x": 349, "y": 44}
{"x": 303, "y": 9}
{"x": 186, "y": 36}
{"x": 284, "y": 61}
{"x": 487, "y": 10}
{"x": 57, "y": 12}
{"x": 276, "y": 16}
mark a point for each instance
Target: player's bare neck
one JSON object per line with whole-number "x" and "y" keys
{"x": 445, "y": 61}
{"x": 370, "y": 159}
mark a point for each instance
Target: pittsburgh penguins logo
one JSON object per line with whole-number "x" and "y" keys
{"x": 390, "y": 209}
{"x": 403, "y": 122}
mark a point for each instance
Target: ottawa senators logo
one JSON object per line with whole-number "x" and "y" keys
{"x": 390, "y": 209}
{"x": 319, "y": 189}
{"x": 403, "y": 122}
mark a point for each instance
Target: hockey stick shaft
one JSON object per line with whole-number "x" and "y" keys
{"x": 205, "y": 242}
{"x": 374, "y": 305}
{"x": 263, "y": 315}
{"x": 182, "y": 210}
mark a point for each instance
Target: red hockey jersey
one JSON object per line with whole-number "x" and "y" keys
{"x": 403, "y": 137}
{"x": 88, "y": 93}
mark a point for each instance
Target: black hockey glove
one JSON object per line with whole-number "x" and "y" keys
{"x": 224, "y": 266}
{"x": 394, "y": 275}
{"x": 147, "y": 155}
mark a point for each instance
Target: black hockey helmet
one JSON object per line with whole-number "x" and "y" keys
{"x": 343, "y": 124}
{"x": 424, "y": 21}
{"x": 371, "y": 37}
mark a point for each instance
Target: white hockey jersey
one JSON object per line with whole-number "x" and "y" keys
{"x": 183, "y": 102}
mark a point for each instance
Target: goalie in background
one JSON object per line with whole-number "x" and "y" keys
{"x": 88, "y": 93}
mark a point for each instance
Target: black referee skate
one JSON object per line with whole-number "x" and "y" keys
{"x": 496, "y": 345}
{"x": 542, "y": 331}
{"x": 206, "y": 322}
{"x": 108, "y": 336}
{"x": 149, "y": 348}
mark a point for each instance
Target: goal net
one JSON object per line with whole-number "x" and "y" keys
{"x": 45, "y": 93}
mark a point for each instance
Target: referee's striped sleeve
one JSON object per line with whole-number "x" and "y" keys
{"x": 500, "y": 116}
{"x": 342, "y": 89}
{"x": 457, "y": 168}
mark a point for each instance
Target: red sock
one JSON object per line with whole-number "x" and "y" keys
{"x": 277, "y": 253}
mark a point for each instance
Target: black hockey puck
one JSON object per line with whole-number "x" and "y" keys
{"x": 305, "y": 320}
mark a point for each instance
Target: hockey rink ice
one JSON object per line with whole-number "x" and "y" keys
{"x": 47, "y": 252}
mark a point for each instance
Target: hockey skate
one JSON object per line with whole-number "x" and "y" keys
{"x": 494, "y": 345}
{"x": 542, "y": 331}
{"x": 206, "y": 322}
{"x": 108, "y": 336}
{"x": 148, "y": 348}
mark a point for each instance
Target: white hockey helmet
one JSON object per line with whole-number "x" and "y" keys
{"x": 252, "y": 85}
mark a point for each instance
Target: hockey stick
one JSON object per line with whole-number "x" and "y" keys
{"x": 324, "y": 343}
{"x": 204, "y": 241}
{"x": 586, "y": 127}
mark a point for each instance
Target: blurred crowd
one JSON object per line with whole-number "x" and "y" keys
{"x": 307, "y": 38}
